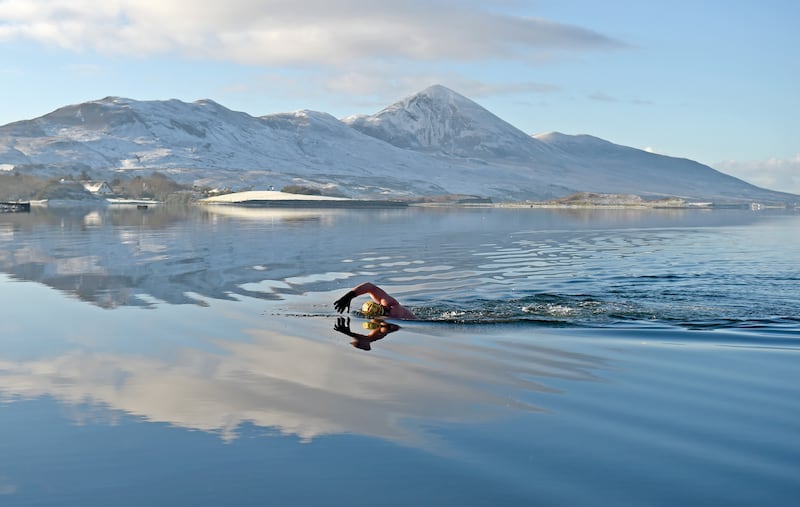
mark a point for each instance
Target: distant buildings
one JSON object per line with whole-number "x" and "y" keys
{"x": 97, "y": 187}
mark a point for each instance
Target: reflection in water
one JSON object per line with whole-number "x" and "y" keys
{"x": 377, "y": 329}
{"x": 297, "y": 216}
{"x": 556, "y": 266}
{"x": 123, "y": 257}
{"x": 301, "y": 386}
{"x": 682, "y": 414}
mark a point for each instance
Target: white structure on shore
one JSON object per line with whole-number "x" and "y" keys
{"x": 266, "y": 195}
{"x": 97, "y": 187}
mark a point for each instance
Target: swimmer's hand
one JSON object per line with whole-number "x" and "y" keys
{"x": 343, "y": 326}
{"x": 344, "y": 302}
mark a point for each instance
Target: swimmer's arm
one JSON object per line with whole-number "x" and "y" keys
{"x": 376, "y": 293}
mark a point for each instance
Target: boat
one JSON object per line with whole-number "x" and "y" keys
{"x": 15, "y": 207}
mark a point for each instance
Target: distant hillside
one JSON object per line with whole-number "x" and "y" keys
{"x": 594, "y": 199}
{"x": 436, "y": 142}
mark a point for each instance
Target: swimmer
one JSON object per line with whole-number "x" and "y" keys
{"x": 381, "y": 305}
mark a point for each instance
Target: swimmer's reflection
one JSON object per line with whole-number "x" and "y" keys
{"x": 377, "y": 329}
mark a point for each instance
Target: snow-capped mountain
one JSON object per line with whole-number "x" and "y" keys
{"x": 434, "y": 142}
{"x": 439, "y": 120}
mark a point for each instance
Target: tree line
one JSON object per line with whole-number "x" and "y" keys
{"x": 16, "y": 186}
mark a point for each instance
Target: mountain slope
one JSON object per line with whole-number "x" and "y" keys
{"x": 640, "y": 172}
{"x": 434, "y": 142}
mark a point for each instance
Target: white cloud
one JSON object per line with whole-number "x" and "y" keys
{"x": 281, "y": 32}
{"x": 373, "y": 86}
{"x": 775, "y": 174}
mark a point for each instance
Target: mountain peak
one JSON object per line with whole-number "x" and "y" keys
{"x": 437, "y": 119}
{"x": 437, "y": 102}
{"x": 440, "y": 93}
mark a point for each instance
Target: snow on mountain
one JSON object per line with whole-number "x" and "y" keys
{"x": 439, "y": 120}
{"x": 202, "y": 142}
{"x": 434, "y": 142}
{"x": 120, "y": 134}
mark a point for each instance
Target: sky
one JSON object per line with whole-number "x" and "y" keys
{"x": 714, "y": 81}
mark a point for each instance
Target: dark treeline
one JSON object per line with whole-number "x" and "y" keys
{"x": 16, "y": 186}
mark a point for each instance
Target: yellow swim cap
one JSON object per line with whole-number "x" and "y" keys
{"x": 372, "y": 309}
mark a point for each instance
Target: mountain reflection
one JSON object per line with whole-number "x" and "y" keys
{"x": 301, "y": 386}
{"x": 126, "y": 257}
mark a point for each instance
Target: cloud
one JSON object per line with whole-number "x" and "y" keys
{"x": 474, "y": 88}
{"x": 86, "y": 69}
{"x": 776, "y": 174}
{"x": 602, "y": 97}
{"x": 281, "y": 32}
{"x": 376, "y": 85}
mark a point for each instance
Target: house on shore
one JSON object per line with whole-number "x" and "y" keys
{"x": 97, "y": 187}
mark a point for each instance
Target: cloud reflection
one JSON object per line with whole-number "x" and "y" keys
{"x": 305, "y": 387}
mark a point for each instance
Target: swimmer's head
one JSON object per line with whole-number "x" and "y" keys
{"x": 372, "y": 309}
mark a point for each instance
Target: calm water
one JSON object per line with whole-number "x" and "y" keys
{"x": 192, "y": 357}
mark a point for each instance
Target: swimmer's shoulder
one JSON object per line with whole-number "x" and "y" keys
{"x": 401, "y": 312}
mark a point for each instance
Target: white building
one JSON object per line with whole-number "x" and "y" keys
{"x": 97, "y": 187}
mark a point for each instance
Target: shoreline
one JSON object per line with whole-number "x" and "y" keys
{"x": 278, "y": 199}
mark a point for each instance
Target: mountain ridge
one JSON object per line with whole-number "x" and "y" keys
{"x": 433, "y": 142}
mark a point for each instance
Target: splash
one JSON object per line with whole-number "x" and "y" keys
{"x": 587, "y": 311}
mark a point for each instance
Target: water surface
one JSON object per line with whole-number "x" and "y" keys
{"x": 617, "y": 357}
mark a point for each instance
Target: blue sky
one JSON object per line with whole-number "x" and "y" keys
{"x": 715, "y": 81}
